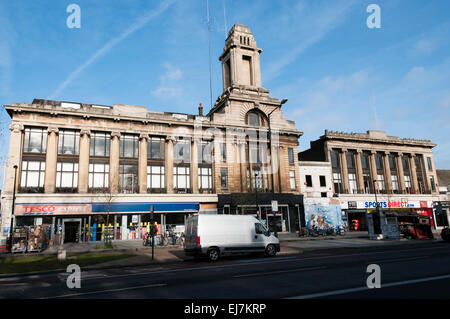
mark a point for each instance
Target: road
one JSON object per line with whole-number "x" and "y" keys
{"x": 412, "y": 271}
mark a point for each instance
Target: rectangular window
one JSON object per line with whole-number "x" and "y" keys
{"x": 68, "y": 142}
{"x": 392, "y": 163}
{"x": 66, "y": 176}
{"x": 379, "y": 161}
{"x": 35, "y": 140}
{"x": 430, "y": 165}
{"x": 99, "y": 144}
{"x": 405, "y": 164}
{"x": 335, "y": 162}
{"x": 394, "y": 183}
{"x": 291, "y": 156}
{"x": 365, "y": 161}
{"x": 352, "y": 183}
{"x": 129, "y": 146}
{"x": 181, "y": 179}
{"x": 204, "y": 151}
{"x": 433, "y": 185}
{"x": 223, "y": 152}
{"x": 204, "y": 179}
{"x": 380, "y": 180}
{"x": 32, "y": 176}
{"x": 128, "y": 178}
{"x": 182, "y": 151}
{"x": 323, "y": 182}
{"x": 99, "y": 177}
{"x": 350, "y": 160}
{"x": 155, "y": 178}
{"x": 367, "y": 183}
{"x": 224, "y": 177}
{"x": 308, "y": 179}
{"x": 407, "y": 183}
{"x": 323, "y": 194}
{"x": 337, "y": 181}
{"x": 292, "y": 180}
{"x": 155, "y": 148}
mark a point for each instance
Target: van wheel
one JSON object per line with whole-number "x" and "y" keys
{"x": 271, "y": 251}
{"x": 213, "y": 254}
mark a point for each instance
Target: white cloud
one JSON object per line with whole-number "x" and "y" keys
{"x": 164, "y": 92}
{"x": 172, "y": 73}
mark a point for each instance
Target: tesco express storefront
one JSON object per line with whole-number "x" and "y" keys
{"x": 126, "y": 217}
{"x": 354, "y": 209}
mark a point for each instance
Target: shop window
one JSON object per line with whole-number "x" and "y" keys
{"x": 32, "y": 176}
{"x": 68, "y": 142}
{"x": 35, "y": 140}
{"x": 155, "y": 178}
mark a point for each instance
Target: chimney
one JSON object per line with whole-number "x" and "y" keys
{"x": 200, "y": 110}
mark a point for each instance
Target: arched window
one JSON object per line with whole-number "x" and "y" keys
{"x": 256, "y": 118}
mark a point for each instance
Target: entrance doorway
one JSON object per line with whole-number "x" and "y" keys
{"x": 72, "y": 231}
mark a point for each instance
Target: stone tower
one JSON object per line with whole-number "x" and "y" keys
{"x": 240, "y": 59}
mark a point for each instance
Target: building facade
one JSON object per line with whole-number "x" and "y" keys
{"x": 442, "y": 207}
{"x": 83, "y": 167}
{"x": 367, "y": 168}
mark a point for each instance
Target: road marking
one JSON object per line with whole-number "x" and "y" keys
{"x": 280, "y": 272}
{"x": 350, "y": 290}
{"x": 105, "y": 291}
{"x": 262, "y": 259}
{"x": 397, "y": 259}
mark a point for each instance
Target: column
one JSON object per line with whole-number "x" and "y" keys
{"x": 51, "y": 160}
{"x": 242, "y": 165}
{"x": 142, "y": 164}
{"x": 400, "y": 173}
{"x": 344, "y": 170}
{"x": 373, "y": 170}
{"x": 15, "y": 143}
{"x": 168, "y": 164}
{"x": 414, "y": 182}
{"x": 359, "y": 172}
{"x": 83, "y": 162}
{"x": 194, "y": 165}
{"x": 114, "y": 162}
{"x": 387, "y": 172}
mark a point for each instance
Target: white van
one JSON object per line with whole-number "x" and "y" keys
{"x": 216, "y": 235}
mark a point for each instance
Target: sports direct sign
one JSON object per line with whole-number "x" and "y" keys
{"x": 400, "y": 204}
{"x": 53, "y": 209}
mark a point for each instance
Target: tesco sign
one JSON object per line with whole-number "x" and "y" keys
{"x": 386, "y": 204}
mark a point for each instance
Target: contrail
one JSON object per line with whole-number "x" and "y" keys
{"x": 164, "y": 5}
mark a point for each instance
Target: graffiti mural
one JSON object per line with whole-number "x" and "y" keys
{"x": 323, "y": 215}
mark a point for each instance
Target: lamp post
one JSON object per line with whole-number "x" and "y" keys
{"x": 377, "y": 214}
{"x": 12, "y": 210}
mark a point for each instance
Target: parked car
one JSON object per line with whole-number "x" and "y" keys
{"x": 445, "y": 234}
{"x": 217, "y": 235}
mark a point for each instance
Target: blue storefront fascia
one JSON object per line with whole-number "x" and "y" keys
{"x": 98, "y": 208}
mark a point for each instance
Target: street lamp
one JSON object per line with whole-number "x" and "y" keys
{"x": 12, "y": 210}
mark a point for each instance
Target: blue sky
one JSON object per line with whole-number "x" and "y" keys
{"x": 336, "y": 73}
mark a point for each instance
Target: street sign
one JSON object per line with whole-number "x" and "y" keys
{"x": 274, "y": 206}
